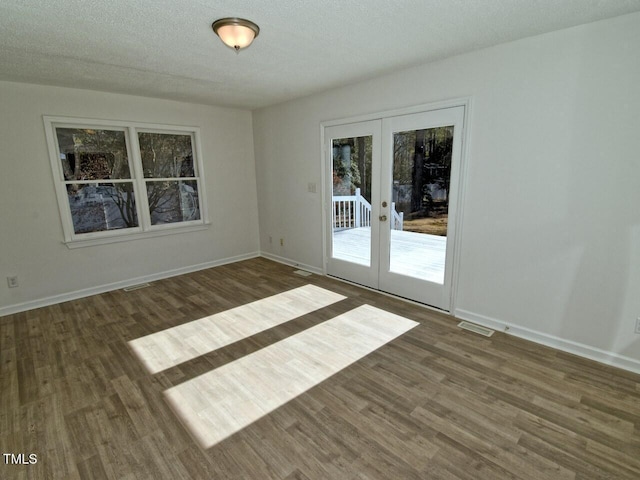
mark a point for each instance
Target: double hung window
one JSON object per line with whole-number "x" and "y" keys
{"x": 115, "y": 180}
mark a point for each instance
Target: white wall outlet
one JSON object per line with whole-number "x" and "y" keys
{"x": 638, "y": 325}
{"x": 12, "y": 282}
{"x": 311, "y": 187}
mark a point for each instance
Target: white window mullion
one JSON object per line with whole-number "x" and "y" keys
{"x": 142, "y": 201}
{"x": 199, "y": 166}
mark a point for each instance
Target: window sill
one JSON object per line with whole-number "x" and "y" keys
{"x": 126, "y": 237}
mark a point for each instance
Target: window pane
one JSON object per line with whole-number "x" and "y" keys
{"x": 88, "y": 154}
{"x": 166, "y": 155}
{"x": 173, "y": 201}
{"x": 98, "y": 207}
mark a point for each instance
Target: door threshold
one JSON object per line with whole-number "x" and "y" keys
{"x": 392, "y": 295}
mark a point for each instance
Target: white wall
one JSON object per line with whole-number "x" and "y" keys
{"x": 30, "y": 228}
{"x": 551, "y": 232}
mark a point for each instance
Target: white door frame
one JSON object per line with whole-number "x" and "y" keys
{"x": 465, "y": 102}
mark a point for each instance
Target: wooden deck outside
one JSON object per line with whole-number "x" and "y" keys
{"x": 413, "y": 254}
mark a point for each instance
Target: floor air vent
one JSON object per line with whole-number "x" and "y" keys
{"x": 472, "y": 327}
{"x": 302, "y": 273}
{"x": 136, "y": 287}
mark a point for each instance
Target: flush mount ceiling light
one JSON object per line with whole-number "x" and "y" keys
{"x": 236, "y": 33}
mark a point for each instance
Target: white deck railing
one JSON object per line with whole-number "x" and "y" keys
{"x": 397, "y": 219}
{"x": 353, "y": 211}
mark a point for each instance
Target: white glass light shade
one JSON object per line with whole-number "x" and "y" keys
{"x": 237, "y": 33}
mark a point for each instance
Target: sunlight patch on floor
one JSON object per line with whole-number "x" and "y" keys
{"x": 219, "y": 403}
{"x": 173, "y": 346}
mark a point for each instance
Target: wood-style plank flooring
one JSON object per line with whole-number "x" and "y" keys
{"x": 221, "y": 402}
{"x": 434, "y": 403}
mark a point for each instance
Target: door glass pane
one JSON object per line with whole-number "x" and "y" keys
{"x": 351, "y": 212}
{"x": 421, "y": 176}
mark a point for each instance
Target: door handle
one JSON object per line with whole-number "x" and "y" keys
{"x": 382, "y": 218}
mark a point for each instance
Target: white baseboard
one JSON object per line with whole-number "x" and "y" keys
{"x": 292, "y": 263}
{"x": 86, "y": 292}
{"x": 580, "y": 349}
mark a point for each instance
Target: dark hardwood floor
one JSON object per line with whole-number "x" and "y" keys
{"x": 435, "y": 403}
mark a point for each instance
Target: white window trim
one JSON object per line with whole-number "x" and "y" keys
{"x": 144, "y": 229}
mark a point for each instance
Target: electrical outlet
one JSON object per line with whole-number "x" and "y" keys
{"x": 282, "y": 242}
{"x": 12, "y": 282}
{"x": 638, "y": 325}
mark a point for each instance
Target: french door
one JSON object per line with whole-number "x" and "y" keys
{"x": 392, "y": 201}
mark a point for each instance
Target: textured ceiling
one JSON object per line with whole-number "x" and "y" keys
{"x": 166, "y": 48}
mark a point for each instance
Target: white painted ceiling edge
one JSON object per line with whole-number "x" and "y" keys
{"x": 167, "y": 49}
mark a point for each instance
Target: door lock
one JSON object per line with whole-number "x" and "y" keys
{"x": 382, "y": 218}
